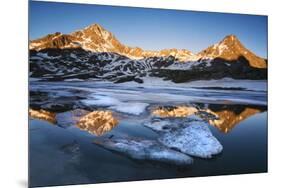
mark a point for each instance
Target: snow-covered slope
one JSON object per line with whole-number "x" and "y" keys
{"x": 94, "y": 52}
{"x": 95, "y": 38}
{"x": 77, "y": 63}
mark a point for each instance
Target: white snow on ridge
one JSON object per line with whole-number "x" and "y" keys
{"x": 36, "y": 58}
{"x": 46, "y": 56}
{"x": 73, "y": 55}
{"x": 73, "y": 80}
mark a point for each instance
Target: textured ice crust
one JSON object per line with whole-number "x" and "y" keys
{"x": 195, "y": 139}
{"x": 145, "y": 150}
{"x": 99, "y": 100}
{"x": 187, "y": 135}
{"x": 135, "y": 108}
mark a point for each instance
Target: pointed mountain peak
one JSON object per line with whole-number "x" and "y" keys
{"x": 230, "y": 40}
{"x": 95, "y": 27}
{"x": 57, "y": 33}
{"x": 94, "y": 32}
{"x": 229, "y": 45}
{"x": 230, "y": 49}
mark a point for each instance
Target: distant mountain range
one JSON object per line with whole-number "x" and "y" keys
{"x": 94, "y": 52}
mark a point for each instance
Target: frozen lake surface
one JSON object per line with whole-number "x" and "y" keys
{"x": 154, "y": 130}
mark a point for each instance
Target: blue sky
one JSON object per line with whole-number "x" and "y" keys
{"x": 151, "y": 29}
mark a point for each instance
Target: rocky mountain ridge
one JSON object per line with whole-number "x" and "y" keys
{"x": 95, "y": 38}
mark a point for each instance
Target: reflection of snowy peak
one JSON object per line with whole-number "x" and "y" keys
{"x": 230, "y": 48}
{"x": 228, "y": 118}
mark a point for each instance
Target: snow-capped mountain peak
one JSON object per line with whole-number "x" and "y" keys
{"x": 231, "y": 49}
{"x": 95, "y": 38}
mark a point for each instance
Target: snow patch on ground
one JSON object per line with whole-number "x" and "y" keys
{"x": 73, "y": 80}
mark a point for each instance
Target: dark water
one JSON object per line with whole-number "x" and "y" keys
{"x": 67, "y": 155}
{"x": 61, "y": 156}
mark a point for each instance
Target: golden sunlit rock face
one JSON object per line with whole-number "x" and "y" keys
{"x": 227, "y": 119}
{"x": 97, "y": 122}
{"x": 174, "y": 111}
{"x": 97, "y": 39}
{"x": 230, "y": 48}
{"x": 43, "y": 115}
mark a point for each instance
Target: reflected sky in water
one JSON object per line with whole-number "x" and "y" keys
{"x": 68, "y": 147}
{"x": 223, "y": 117}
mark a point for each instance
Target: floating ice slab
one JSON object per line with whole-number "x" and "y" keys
{"x": 144, "y": 150}
{"x": 188, "y": 135}
{"x": 162, "y": 125}
{"x": 195, "y": 139}
{"x": 159, "y": 125}
{"x": 135, "y": 108}
{"x": 100, "y": 100}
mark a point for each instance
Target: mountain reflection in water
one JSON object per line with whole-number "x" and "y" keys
{"x": 96, "y": 122}
{"x": 99, "y": 122}
{"x": 223, "y": 117}
{"x": 174, "y": 111}
{"x": 228, "y": 119}
{"x": 43, "y": 115}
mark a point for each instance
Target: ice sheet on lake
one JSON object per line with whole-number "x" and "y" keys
{"x": 99, "y": 100}
{"x": 142, "y": 149}
{"x": 255, "y": 85}
{"x": 184, "y": 93}
{"x": 131, "y": 108}
{"x": 108, "y": 94}
{"x": 135, "y": 108}
{"x": 188, "y": 135}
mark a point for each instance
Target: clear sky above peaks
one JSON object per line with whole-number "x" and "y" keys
{"x": 151, "y": 29}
